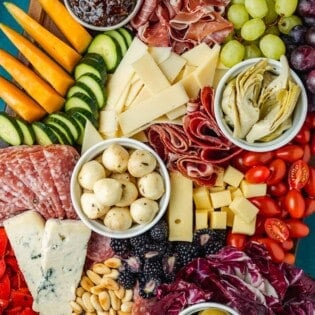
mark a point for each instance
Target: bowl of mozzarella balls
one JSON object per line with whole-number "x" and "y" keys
{"x": 120, "y": 188}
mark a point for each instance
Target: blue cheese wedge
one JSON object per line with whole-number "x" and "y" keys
{"x": 64, "y": 248}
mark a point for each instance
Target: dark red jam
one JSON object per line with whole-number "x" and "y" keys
{"x": 102, "y": 12}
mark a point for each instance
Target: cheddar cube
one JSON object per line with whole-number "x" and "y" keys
{"x": 236, "y": 193}
{"x": 253, "y": 190}
{"x": 201, "y": 219}
{"x": 218, "y": 220}
{"x": 229, "y": 215}
{"x": 232, "y": 176}
{"x": 242, "y": 227}
{"x": 221, "y": 198}
{"x": 216, "y": 188}
{"x": 219, "y": 180}
{"x": 201, "y": 198}
{"x": 244, "y": 208}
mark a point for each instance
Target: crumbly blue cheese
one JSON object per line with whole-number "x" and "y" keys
{"x": 25, "y": 232}
{"x": 64, "y": 248}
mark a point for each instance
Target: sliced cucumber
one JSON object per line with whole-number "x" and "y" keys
{"x": 80, "y": 100}
{"x": 28, "y": 132}
{"x": 81, "y": 121}
{"x": 81, "y": 88}
{"x": 120, "y": 40}
{"x": 127, "y": 35}
{"x": 62, "y": 128}
{"x": 10, "y": 131}
{"x": 62, "y": 139}
{"x": 96, "y": 86}
{"x": 108, "y": 48}
{"x": 86, "y": 115}
{"x": 43, "y": 134}
{"x": 88, "y": 65}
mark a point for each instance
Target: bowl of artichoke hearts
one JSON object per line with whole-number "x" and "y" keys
{"x": 260, "y": 104}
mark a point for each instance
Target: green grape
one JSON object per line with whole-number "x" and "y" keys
{"x": 273, "y": 29}
{"x": 229, "y": 37}
{"x": 286, "y": 24}
{"x": 256, "y": 8}
{"x": 238, "y": 2}
{"x": 271, "y": 15}
{"x": 272, "y": 46}
{"x": 285, "y": 7}
{"x": 253, "y": 29}
{"x": 232, "y": 53}
{"x": 238, "y": 15}
{"x": 252, "y": 51}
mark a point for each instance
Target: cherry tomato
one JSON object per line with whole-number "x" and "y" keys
{"x": 289, "y": 153}
{"x": 257, "y": 174}
{"x": 276, "y": 229}
{"x": 294, "y": 204}
{"x": 297, "y": 228}
{"x": 303, "y": 136}
{"x": 287, "y": 244}
{"x": 257, "y": 158}
{"x": 298, "y": 174}
{"x": 237, "y": 240}
{"x": 238, "y": 162}
{"x": 274, "y": 248}
{"x": 309, "y": 188}
{"x": 278, "y": 170}
{"x": 312, "y": 143}
{"x": 310, "y": 120}
{"x": 278, "y": 190}
{"x": 309, "y": 207}
{"x": 266, "y": 205}
{"x": 289, "y": 258}
{"x": 307, "y": 153}
{"x": 260, "y": 226}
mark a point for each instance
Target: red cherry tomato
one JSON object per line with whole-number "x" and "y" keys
{"x": 303, "y": 136}
{"x": 257, "y": 158}
{"x": 289, "y": 258}
{"x": 294, "y": 204}
{"x": 278, "y": 190}
{"x": 238, "y": 162}
{"x": 297, "y": 228}
{"x": 309, "y": 207}
{"x": 312, "y": 143}
{"x": 237, "y": 240}
{"x": 289, "y": 153}
{"x": 257, "y": 174}
{"x": 307, "y": 153}
{"x": 278, "y": 170}
{"x": 298, "y": 174}
{"x": 309, "y": 188}
{"x": 274, "y": 248}
{"x": 276, "y": 229}
{"x": 266, "y": 205}
{"x": 260, "y": 226}
{"x": 287, "y": 244}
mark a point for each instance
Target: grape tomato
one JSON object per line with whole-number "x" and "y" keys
{"x": 257, "y": 174}
{"x": 276, "y": 229}
{"x": 309, "y": 207}
{"x": 267, "y": 206}
{"x": 278, "y": 170}
{"x": 257, "y": 158}
{"x": 236, "y": 240}
{"x": 297, "y": 228}
{"x": 309, "y": 188}
{"x": 274, "y": 248}
{"x": 289, "y": 153}
{"x": 289, "y": 258}
{"x": 295, "y": 204}
{"x": 288, "y": 244}
{"x": 312, "y": 143}
{"x": 303, "y": 136}
{"x": 307, "y": 153}
{"x": 278, "y": 190}
{"x": 298, "y": 174}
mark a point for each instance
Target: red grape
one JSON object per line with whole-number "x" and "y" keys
{"x": 310, "y": 36}
{"x": 310, "y": 81}
{"x": 297, "y": 34}
{"x": 303, "y": 58}
{"x": 306, "y": 8}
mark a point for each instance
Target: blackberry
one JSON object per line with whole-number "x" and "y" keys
{"x": 140, "y": 240}
{"x": 127, "y": 279}
{"x": 159, "y": 232}
{"x": 170, "y": 266}
{"x": 148, "y": 286}
{"x": 217, "y": 242}
{"x": 121, "y": 247}
{"x": 186, "y": 251}
{"x": 133, "y": 263}
{"x": 153, "y": 268}
{"x": 155, "y": 250}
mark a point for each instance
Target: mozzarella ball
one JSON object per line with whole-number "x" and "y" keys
{"x": 91, "y": 207}
{"x": 141, "y": 162}
{"x": 115, "y": 158}
{"x": 90, "y": 172}
{"x": 124, "y": 176}
{"x": 129, "y": 193}
{"x": 118, "y": 219}
{"x": 151, "y": 186}
{"x": 143, "y": 210}
{"x": 108, "y": 191}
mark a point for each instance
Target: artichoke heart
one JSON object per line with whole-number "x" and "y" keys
{"x": 229, "y": 102}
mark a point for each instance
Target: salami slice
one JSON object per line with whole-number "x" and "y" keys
{"x": 99, "y": 248}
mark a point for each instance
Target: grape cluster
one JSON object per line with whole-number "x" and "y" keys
{"x": 258, "y": 25}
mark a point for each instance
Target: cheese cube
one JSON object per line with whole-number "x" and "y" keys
{"x": 236, "y": 193}
{"x": 201, "y": 219}
{"x": 218, "y": 220}
{"x": 253, "y": 190}
{"x": 221, "y": 198}
{"x": 242, "y": 227}
{"x": 216, "y": 188}
{"x": 232, "y": 176}
{"x": 244, "y": 208}
{"x": 229, "y": 215}
{"x": 219, "y": 181}
{"x": 201, "y": 197}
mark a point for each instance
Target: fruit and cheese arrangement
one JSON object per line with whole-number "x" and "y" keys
{"x": 234, "y": 217}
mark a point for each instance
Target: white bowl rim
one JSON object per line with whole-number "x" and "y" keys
{"x": 100, "y": 228}
{"x": 105, "y": 28}
{"x": 206, "y": 305}
{"x": 280, "y": 141}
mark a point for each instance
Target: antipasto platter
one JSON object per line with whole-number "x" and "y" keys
{"x": 82, "y": 227}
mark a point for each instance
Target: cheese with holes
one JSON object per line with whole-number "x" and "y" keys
{"x": 243, "y": 227}
{"x": 232, "y": 176}
{"x": 201, "y": 219}
{"x": 221, "y": 198}
{"x": 253, "y": 190}
{"x": 180, "y": 208}
{"x": 218, "y": 220}
{"x": 244, "y": 208}
{"x": 201, "y": 198}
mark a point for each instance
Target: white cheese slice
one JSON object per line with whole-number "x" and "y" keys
{"x": 64, "y": 248}
{"x": 159, "y": 54}
{"x": 172, "y": 66}
{"x": 108, "y": 123}
{"x": 177, "y": 112}
{"x": 91, "y": 137}
{"x": 197, "y": 55}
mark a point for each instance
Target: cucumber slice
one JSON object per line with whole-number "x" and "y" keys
{"x": 120, "y": 40}
{"x": 85, "y": 115}
{"x": 81, "y": 88}
{"x": 81, "y": 123}
{"x": 43, "y": 134}
{"x": 10, "y": 131}
{"x": 108, "y": 48}
{"x": 28, "y": 132}
{"x": 88, "y": 65}
{"x": 63, "y": 130}
{"x": 80, "y": 100}
{"x": 96, "y": 86}
{"x": 127, "y": 35}
{"x": 62, "y": 139}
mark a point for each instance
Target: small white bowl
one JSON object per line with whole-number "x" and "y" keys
{"x": 105, "y": 28}
{"x": 76, "y": 190}
{"x": 299, "y": 113}
{"x": 193, "y": 309}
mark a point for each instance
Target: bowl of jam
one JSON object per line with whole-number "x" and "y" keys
{"x": 103, "y": 15}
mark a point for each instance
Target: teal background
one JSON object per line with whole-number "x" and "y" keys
{"x": 306, "y": 247}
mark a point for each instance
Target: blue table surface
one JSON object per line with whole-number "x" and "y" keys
{"x": 306, "y": 246}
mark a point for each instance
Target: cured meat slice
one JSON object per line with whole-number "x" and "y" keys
{"x": 99, "y": 248}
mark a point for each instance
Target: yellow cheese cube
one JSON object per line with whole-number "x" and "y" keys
{"x": 253, "y": 190}
{"x": 218, "y": 220}
{"x": 229, "y": 215}
{"x": 201, "y": 219}
{"x": 232, "y": 176}
{"x": 242, "y": 227}
{"x": 219, "y": 181}
{"x": 221, "y": 198}
{"x": 236, "y": 193}
{"x": 201, "y": 197}
{"x": 216, "y": 188}
{"x": 244, "y": 208}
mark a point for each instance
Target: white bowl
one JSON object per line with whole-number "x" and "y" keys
{"x": 104, "y": 28}
{"x": 192, "y": 310}
{"x": 299, "y": 113}
{"x": 76, "y": 190}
